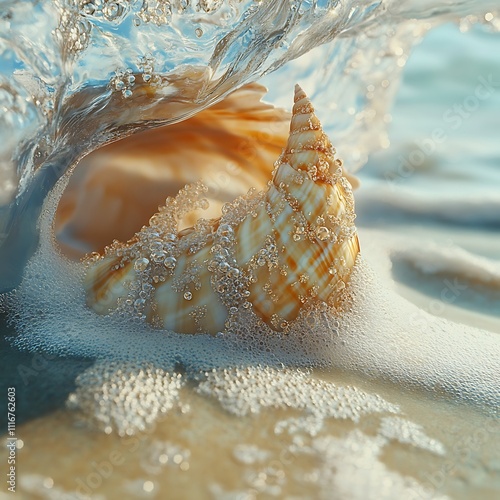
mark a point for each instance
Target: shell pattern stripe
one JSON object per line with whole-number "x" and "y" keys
{"x": 271, "y": 251}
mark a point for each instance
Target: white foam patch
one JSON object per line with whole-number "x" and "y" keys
{"x": 352, "y": 468}
{"x": 248, "y": 454}
{"x": 243, "y": 391}
{"x": 125, "y": 398}
{"x": 386, "y": 336}
{"x": 453, "y": 261}
{"x": 407, "y": 432}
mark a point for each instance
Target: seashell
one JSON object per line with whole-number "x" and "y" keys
{"x": 105, "y": 198}
{"x": 271, "y": 251}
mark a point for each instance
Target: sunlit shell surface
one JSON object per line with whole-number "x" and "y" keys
{"x": 271, "y": 251}
{"x": 229, "y": 146}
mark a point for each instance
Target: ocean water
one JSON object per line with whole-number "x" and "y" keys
{"x": 438, "y": 181}
{"x": 443, "y": 131}
{"x": 400, "y": 399}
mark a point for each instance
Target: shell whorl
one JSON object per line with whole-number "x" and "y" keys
{"x": 271, "y": 252}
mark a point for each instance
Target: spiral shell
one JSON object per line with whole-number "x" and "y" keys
{"x": 105, "y": 199}
{"x": 270, "y": 252}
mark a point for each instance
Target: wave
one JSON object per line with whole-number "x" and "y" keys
{"x": 387, "y": 203}
{"x": 432, "y": 259}
{"x": 85, "y": 77}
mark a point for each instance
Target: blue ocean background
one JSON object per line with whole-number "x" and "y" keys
{"x": 442, "y": 167}
{"x": 438, "y": 182}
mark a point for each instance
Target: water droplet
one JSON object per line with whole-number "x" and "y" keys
{"x": 158, "y": 256}
{"x": 141, "y": 264}
{"x": 224, "y": 230}
{"x": 139, "y": 303}
{"x": 148, "y": 486}
{"x": 170, "y": 262}
{"x": 322, "y": 233}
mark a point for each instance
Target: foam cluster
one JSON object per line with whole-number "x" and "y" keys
{"x": 125, "y": 398}
{"x": 243, "y": 391}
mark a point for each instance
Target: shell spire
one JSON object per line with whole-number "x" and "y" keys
{"x": 270, "y": 252}
{"x": 307, "y": 143}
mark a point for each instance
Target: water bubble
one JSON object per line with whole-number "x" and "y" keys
{"x": 156, "y": 246}
{"x": 322, "y": 233}
{"x": 89, "y": 8}
{"x": 225, "y": 230}
{"x": 170, "y": 262}
{"x": 141, "y": 264}
{"x": 111, "y": 11}
{"x": 158, "y": 256}
{"x": 139, "y": 303}
{"x": 148, "y": 486}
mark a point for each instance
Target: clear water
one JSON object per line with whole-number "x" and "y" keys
{"x": 79, "y": 80}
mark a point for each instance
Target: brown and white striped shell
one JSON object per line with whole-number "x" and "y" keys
{"x": 271, "y": 252}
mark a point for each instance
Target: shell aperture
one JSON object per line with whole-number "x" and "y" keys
{"x": 271, "y": 252}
